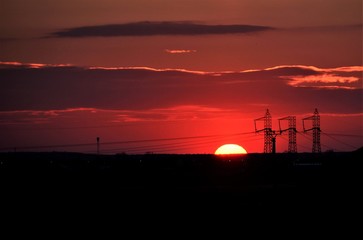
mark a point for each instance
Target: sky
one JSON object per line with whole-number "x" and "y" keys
{"x": 183, "y": 76}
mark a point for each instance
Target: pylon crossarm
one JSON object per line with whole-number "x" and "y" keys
{"x": 308, "y": 118}
{"x": 285, "y": 118}
{"x": 284, "y": 130}
{"x": 306, "y": 130}
{"x": 261, "y": 130}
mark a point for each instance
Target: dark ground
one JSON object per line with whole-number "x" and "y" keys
{"x": 183, "y": 185}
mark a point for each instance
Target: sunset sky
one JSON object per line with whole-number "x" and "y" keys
{"x": 183, "y": 76}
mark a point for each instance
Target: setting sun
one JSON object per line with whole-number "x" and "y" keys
{"x": 228, "y": 149}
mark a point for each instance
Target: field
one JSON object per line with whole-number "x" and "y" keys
{"x": 255, "y": 182}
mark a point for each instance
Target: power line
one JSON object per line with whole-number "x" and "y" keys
{"x": 170, "y": 146}
{"x": 345, "y": 135}
{"x": 346, "y": 144}
{"x": 300, "y": 145}
{"x": 123, "y": 142}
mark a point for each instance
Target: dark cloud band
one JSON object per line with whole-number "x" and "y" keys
{"x": 157, "y": 28}
{"x": 51, "y": 87}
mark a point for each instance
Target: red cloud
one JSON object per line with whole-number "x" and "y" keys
{"x": 330, "y": 81}
{"x": 179, "y": 51}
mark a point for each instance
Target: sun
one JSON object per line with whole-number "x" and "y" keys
{"x": 228, "y": 149}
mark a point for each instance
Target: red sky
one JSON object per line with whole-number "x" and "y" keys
{"x": 126, "y": 71}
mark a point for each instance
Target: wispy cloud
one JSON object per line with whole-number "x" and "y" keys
{"x": 173, "y": 113}
{"x": 150, "y": 69}
{"x": 342, "y": 114}
{"x": 317, "y": 69}
{"x": 329, "y": 28}
{"x": 179, "y": 51}
{"x": 30, "y": 65}
{"x": 324, "y": 81}
{"x": 43, "y": 87}
{"x": 147, "y": 28}
{"x": 349, "y": 77}
{"x": 176, "y": 113}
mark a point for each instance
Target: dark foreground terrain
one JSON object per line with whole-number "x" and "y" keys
{"x": 254, "y": 182}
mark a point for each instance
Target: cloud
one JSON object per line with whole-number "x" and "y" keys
{"x": 317, "y": 69}
{"x": 147, "y": 28}
{"x": 177, "y": 113}
{"x": 6, "y": 65}
{"x": 360, "y": 114}
{"x": 41, "y": 87}
{"x": 174, "y": 113}
{"x": 329, "y": 28}
{"x": 325, "y": 81}
{"x": 330, "y": 78}
{"x": 186, "y": 28}
{"x": 179, "y": 51}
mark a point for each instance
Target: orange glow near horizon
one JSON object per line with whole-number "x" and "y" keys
{"x": 229, "y": 149}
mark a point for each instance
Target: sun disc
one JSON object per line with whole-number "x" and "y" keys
{"x": 228, "y": 149}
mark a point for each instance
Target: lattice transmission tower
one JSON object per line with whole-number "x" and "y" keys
{"x": 292, "y": 148}
{"x": 269, "y": 134}
{"x": 316, "y": 130}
